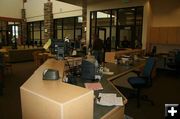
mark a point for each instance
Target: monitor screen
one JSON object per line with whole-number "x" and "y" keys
{"x": 58, "y": 48}
{"x": 88, "y": 70}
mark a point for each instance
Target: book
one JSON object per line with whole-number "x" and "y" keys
{"x": 94, "y": 86}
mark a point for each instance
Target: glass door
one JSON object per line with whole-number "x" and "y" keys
{"x": 125, "y": 37}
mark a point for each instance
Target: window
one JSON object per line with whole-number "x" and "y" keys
{"x": 15, "y": 31}
{"x": 118, "y": 24}
{"x": 58, "y": 29}
{"x": 65, "y": 27}
{"x": 70, "y": 27}
{"x": 78, "y": 27}
{"x": 35, "y": 33}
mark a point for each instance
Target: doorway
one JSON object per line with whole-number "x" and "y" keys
{"x": 125, "y": 33}
{"x": 102, "y": 34}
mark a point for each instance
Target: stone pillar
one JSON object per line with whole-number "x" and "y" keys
{"x": 5, "y": 38}
{"x": 84, "y": 17}
{"x": 48, "y": 20}
{"x": 23, "y": 30}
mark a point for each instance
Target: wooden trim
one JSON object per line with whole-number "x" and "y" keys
{"x": 10, "y": 19}
{"x": 117, "y": 112}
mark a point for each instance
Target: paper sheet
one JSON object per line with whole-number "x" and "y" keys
{"x": 47, "y": 44}
{"x": 109, "y": 99}
{"x": 94, "y": 86}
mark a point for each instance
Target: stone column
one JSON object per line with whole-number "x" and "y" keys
{"x": 48, "y": 20}
{"x": 84, "y": 17}
{"x": 5, "y": 39}
{"x": 23, "y": 30}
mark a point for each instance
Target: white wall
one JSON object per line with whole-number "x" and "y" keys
{"x": 35, "y": 10}
{"x": 165, "y": 13}
{"x": 61, "y": 10}
{"x": 11, "y": 8}
{"x": 106, "y": 4}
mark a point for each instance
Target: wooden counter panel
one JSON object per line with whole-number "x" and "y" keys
{"x": 117, "y": 113}
{"x": 36, "y": 107}
{"x": 53, "y": 89}
{"x": 111, "y": 56}
{"x": 84, "y": 103}
{"x": 54, "y": 99}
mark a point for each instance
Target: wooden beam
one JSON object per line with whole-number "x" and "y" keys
{"x": 10, "y": 19}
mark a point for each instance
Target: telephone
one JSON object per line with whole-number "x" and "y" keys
{"x": 50, "y": 74}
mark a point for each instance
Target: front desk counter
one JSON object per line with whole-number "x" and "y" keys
{"x": 42, "y": 99}
{"x": 111, "y": 112}
{"x": 53, "y": 99}
{"x": 111, "y": 56}
{"x": 106, "y": 112}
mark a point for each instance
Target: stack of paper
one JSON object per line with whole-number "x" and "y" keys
{"x": 94, "y": 86}
{"x": 109, "y": 99}
{"x": 108, "y": 73}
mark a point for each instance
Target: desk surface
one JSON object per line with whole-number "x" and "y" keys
{"x": 108, "y": 87}
{"x": 3, "y": 50}
{"x": 57, "y": 90}
{"x": 54, "y": 90}
{"x": 120, "y": 69}
{"x": 99, "y": 110}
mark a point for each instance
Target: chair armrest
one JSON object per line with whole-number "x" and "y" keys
{"x": 143, "y": 77}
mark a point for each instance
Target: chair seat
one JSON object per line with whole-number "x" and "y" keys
{"x": 137, "y": 82}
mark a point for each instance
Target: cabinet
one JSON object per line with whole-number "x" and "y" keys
{"x": 154, "y": 35}
{"x": 165, "y": 35}
{"x": 178, "y": 35}
{"x": 111, "y": 56}
{"x": 172, "y": 36}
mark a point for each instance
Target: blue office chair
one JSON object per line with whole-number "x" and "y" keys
{"x": 143, "y": 80}
{"x": 176, "y": 63}
{"x": 177, "y": 60}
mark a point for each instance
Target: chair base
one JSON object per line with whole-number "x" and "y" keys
{"x": 134, "y": 94}
{"x": 1, "y": 87}
{"x": 145, "y": 98}
{"x": 1, "y": 90}
{"x": 140, "y": 98}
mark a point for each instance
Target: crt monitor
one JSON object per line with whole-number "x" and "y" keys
{"x": 88, "y": 70}
{"x": 58, "y": 48}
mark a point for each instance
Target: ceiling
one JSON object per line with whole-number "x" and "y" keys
{"x": 79, "y": 2}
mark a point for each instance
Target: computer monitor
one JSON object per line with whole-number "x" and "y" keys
{"x": 88, "y": 70}
{"x": 58, "y": 48}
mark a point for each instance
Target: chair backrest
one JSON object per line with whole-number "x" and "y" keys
{"x": 148, "y": 68}
{"x": 1, "y": 58}
{"x": 177, "y": 58}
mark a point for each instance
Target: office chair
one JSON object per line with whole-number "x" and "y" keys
{"x": 176, "y": 63}
{"x": 143, "y": 80}
{"x": 177, "y": 60}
